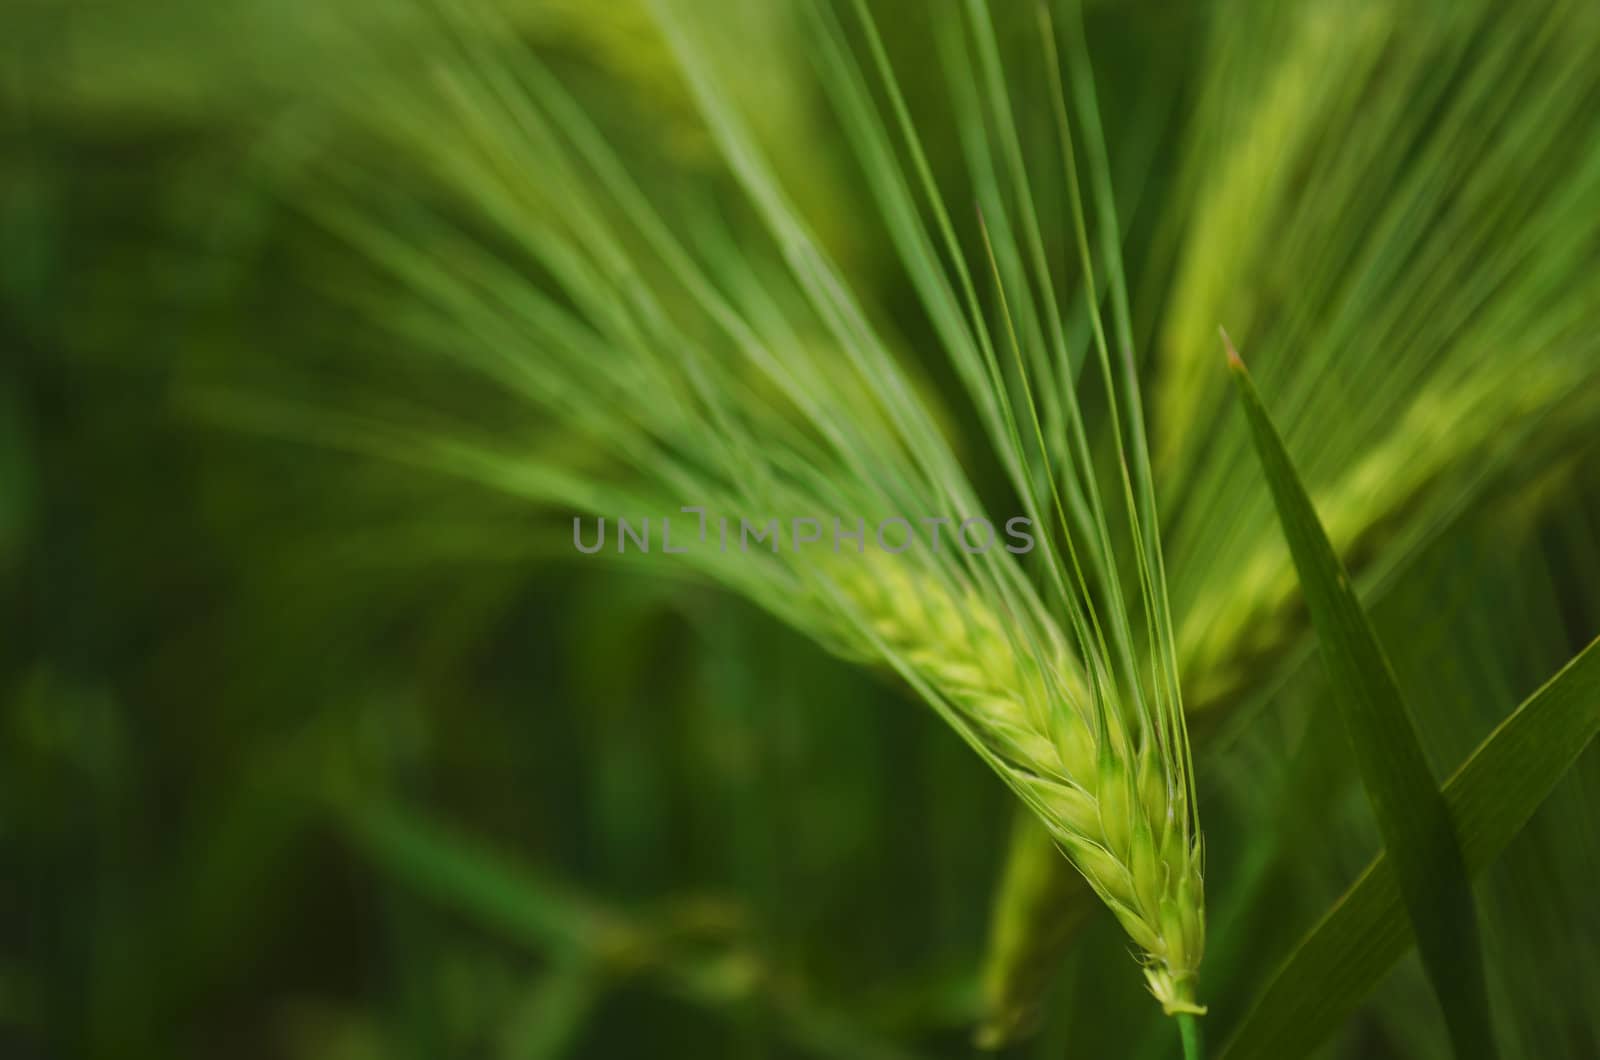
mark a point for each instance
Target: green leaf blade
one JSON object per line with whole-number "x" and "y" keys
{"x": 1366, "y": 931}
{"x": 1425, "y": 860}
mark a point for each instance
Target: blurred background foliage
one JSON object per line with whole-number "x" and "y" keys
{"x": 312, "y": 755}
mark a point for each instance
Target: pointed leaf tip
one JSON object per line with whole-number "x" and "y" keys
{"x": 1430, "y": 873}
{"x": 1234, "y": 360}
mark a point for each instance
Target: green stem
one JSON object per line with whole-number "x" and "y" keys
{"x": 1189, "y": 1030}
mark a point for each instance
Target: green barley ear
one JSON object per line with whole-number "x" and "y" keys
{"x": 1093, "y": 778}
{"x": 592, "y": 300}
{"x": 1123, "y": 812}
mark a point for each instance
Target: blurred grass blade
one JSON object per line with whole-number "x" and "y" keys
{"x": 1366, "y": 931}
{"x": 1037, "y": 913}
{"x": 480, "y": 884}
{"x": 1410, "y": 811}
{"x": 601, "y": 944}
{"x": 550, "y": 1022}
